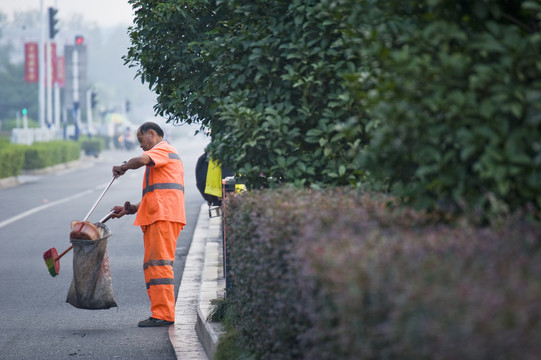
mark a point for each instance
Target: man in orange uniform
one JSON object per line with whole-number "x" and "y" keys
{"x": 161, "y": 216}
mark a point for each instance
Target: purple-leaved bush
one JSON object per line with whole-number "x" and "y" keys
{"x": 338, "y": 275}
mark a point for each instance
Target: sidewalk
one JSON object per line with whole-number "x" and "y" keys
{"x": 192, "y": 337}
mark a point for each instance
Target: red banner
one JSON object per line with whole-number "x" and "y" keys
{"x": 60, "y": 71}
{"x": 31, "y": 63}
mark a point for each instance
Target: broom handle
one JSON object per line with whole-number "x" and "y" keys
{"x": 65, "y": 252}
{"x": 99, "y": 199}
{"x": 96, "y": 203}
{"x": 107, "y": 217}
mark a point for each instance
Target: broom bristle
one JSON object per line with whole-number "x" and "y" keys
{"x": 50, "y": 261}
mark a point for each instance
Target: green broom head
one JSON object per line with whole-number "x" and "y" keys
{"x": 51, "y": 261}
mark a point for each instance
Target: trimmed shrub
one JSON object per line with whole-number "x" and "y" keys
{"x": 260, "y": 232}
{"x": 14, "y": 158}
{"x": 4, "y": 141}
{"x": 71, "y": 150}
{"x": 92, "y": 146}
{"x": 11, "y": 160}
{"x": 340, "y": 275}
{"x": 44, "y": 154}
{"x": 10, "y": 124}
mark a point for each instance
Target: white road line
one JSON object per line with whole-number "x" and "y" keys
{"x": 46, "y": 206}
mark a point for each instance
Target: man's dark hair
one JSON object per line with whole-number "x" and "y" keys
{"x": 151, "y": 126}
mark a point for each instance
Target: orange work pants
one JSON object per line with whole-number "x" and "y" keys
{"x": 160, "y": 240}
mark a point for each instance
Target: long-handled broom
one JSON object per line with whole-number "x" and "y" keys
{"x": 51, "y": 257}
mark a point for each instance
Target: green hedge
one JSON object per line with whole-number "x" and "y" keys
{"x": 42, "y": 155}
{"x": 10, "y": 124}
{"x": 11, "y": 160}
{"x": 4, "y": 141}
{"x": 338, "y": 275}
{"x": 15, "y": 158}
{"x": 93, "y": 146}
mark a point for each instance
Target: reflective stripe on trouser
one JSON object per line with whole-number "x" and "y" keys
{"x": 160, "y": 239}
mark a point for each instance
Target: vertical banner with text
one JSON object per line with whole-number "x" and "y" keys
{"x": 31, "y": 63}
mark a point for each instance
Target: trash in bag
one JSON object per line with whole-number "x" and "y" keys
{"x": 91, "y": 287}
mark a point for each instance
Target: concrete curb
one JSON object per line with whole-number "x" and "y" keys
{"x": 192, "y": 336}
{"x": 212, "y": 288}
{"x": 9, "y": 182}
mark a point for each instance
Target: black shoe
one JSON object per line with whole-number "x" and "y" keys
{"x": 152, "y": 322}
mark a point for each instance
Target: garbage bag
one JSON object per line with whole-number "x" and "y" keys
{"x": 91, "y": 286}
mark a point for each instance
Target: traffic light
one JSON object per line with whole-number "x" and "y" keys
{"x": 53, "y": 30}
{"x": 79, "y": 40}
{"x": 93, "y": 99}
{"x": 25, "y": 111}
{"x": 128, "y": 103}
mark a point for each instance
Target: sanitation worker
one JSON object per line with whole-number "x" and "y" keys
{"x": 161, "y": 216}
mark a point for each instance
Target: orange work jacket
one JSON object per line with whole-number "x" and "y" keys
{"x": 163, "y": 187}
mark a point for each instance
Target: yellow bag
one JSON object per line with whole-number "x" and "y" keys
{"x": 214, "y": 179}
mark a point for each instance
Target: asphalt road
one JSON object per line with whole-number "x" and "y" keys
{"x": 35, "y": 320}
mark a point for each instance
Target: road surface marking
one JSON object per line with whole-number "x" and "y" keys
{"x": 48, "y": 205}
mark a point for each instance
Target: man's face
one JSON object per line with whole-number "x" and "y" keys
{"x": 146, "y": 140}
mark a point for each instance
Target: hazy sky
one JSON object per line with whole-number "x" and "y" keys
{"x": 104, "y": 12}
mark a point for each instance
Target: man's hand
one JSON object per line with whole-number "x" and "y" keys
{"x": 118, "y": 171}
{"x": 127, "y": 209}
{"x": 130, "y": 208}
{"x": 119, "y": 211}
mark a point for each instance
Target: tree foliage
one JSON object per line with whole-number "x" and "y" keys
{"x": 266, "y": 77}
{"x": 455, "y": 99}
{"x": 434, "y": 100}
{"x": 15, "y": 94}
{"x": 167, "y": 48}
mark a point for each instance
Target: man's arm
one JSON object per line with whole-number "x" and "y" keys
{"x": 133, "y": 163}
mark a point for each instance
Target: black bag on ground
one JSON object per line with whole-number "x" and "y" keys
{"x": 91, "y": 287}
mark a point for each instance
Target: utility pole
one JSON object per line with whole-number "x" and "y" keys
{"x": 75, "y": 97}
{"x": 76, "y": 112}
{"x": 41, "y": 67}
{"x": 90, "y": 125}
{"x": 25, "y": 118}
{"x": 57, "y": 105}
{"x": 50, "y": 61}
{"x": 50, "y": 81}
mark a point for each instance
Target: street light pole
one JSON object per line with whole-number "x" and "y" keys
{"x": 41, "y": 69}
{"x": 50, "y": 81}
{"x": 76, "y": 110}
